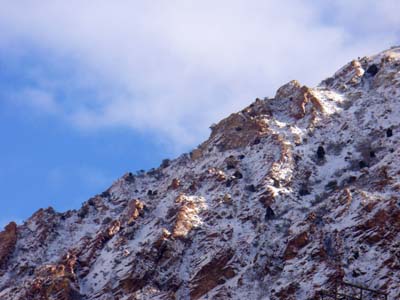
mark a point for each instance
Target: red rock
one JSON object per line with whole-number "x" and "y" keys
{"x": 55, "y": 281}
{"x": 295, "y": 244}
{"x": 298, "y": 98}
{"x": 176, "y": 183}
{"x": 236, "y": 131}
{"x": 183, "y": 223}
{"x": 212, "y": 274}
{"x": 8, "y": 239}
{"x": 186, "y": 216}
{"x": 288, "y": 293}
{"x": 113, "y": 229}
{"x": 267, "y": 198}
{"x": 135, "y": 208}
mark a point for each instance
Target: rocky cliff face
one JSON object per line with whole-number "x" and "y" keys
{"x": 286, "y": 196}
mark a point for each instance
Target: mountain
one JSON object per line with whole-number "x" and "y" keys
{"x": 285, "y": 198}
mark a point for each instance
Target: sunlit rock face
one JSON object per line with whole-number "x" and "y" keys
{"x": 287, "y": 195}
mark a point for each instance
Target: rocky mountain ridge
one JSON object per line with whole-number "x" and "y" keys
{"x": 285, "y": 197}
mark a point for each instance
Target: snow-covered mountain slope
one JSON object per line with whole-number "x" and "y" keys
{"x": 285, "y": 197}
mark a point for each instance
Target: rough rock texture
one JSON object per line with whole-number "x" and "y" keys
{"x": 8, "y": 239}
{"x": 285, "y": 197}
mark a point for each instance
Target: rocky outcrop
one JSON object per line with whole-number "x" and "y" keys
{"x": 55, "y": 281}
{"x": 295, "y": 244}
{"x": 238, "y": 130}
{"x": 134, "y": 209}
{"x": 296, "y": 100}
{"x": 215, "y": 273}
{"x": 188, "y": 214}
{"x": 286, "y": 196}
{"x": 176, "y": 183}
{"x": 8, "y": 239}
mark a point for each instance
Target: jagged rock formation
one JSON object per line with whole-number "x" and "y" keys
{"x": 287, "y": 195}
{"x": 8, "y": 238}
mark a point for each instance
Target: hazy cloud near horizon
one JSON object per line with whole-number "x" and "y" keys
{"x": 174, "y": 67}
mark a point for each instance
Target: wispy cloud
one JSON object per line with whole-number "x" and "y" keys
{"x": 39, "y": 100}
{"x": 175, "y": 67}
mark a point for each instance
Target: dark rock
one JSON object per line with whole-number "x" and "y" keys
{"x": 372, "y": 70}
{"x": 193, "y": 187}
{"x": 304, "y": 191}
{"x": 269, "y": 214}
{"x": 362, "y": 164}
{"x": 350, "y": 180}
{"x": 105, "y": 194}
{"x": 320, "y": 152}
{"x": 83, "y": 211}
{"x": 331, "y": 185}
{"x": 129, "y": 177}
{"x": 276, "y": 183}
{"x": 107, "y": 220}
{"x": 231, "y": 162}
{"x": 238, "y": 175}
{"x": 152, "y": 193}
{"x": 251, "y": 188}
{"x": 356, "y": 273}
{"x": 389, "y": 132}
{"x": 329, "y": 247}
{"x": 165, "y": 163}
{"x": 140, "y": 173}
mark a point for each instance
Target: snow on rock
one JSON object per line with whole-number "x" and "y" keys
{"x": 188, "y": 214}
{"x": 285, "y": 197}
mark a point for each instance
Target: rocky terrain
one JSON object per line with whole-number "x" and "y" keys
{"x": 285, "y": 197}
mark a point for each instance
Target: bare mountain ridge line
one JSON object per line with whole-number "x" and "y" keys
{"x": 286, "y": 196}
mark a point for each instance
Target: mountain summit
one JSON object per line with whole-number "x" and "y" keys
{"x": 286, "y": 197}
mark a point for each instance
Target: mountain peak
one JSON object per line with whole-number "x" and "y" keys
{"x": 286, "y": 197}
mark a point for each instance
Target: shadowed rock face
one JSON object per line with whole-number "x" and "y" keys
{"x": 274, "y": 205}
{"x": 216, "y": 272}
{"x": 8, "y": 239}
{"x": 295, "y": 245}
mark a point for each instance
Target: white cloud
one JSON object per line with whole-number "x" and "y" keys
{"x": 175, "y": 67}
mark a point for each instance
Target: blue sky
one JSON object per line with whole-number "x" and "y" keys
{"x": 89, "y": 92}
